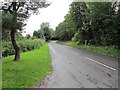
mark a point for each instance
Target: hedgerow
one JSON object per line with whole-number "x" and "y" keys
{"x": 25, "y": 45}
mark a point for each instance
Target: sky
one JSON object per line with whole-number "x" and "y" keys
{"x": 54, "y": 14}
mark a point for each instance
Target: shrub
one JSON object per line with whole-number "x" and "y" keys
{"x": 25, "y": 45}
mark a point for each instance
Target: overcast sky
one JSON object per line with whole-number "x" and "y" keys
{"x": 54, "y": 14}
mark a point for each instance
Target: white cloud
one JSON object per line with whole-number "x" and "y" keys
{"x": 54, "y": 14}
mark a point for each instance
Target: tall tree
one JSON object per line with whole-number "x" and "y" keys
{"x": 77, "y": 10}
{"x": 19, "y": 11}
{"x": 116, "y": 36}
{"x": 100, "y": 21}
{"x": 94, "y": 22}
{"x": 66, "y": 29}
{"x": 45, "y": 27}
{"x": 38, "y": 34}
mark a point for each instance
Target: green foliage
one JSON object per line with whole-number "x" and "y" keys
{"x": 76, "y": 38}
{"x": 108, "y": 50}
{"x": 52, "y": 33}
{"x": 6, "y": 21}
{"x": 15, "y": 13}
{"x": 28, "y": 36}
{"x": 45, "y": 32}
{"x": 38, "y": 34}
{"x": 66, "y": 29}
{"x": 6, "y": 36}
{"x": 94, "y": 22}
{"x": 102, "y": 19}
{"x": 32, "y": 67}
{"x": 25, "y": 45}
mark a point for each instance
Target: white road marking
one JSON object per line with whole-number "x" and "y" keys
{"x": 101, "y": 64}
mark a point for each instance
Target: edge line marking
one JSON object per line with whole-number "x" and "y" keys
{"x": 102, "y": 64}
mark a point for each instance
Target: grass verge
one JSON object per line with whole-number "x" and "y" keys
{"x": 32, "y": 67}
{"x": 97, "y": 49}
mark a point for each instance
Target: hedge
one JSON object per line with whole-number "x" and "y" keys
{"x": 25, "y": 45}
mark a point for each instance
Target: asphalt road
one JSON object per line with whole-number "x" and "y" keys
{"x": 75, "y": 68}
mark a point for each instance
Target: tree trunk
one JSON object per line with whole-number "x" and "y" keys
{"x": 16, "y": 48}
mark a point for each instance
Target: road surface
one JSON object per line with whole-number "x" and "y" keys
{"x": 75, "y": 68}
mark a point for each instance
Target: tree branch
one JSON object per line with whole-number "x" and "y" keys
{"x": 18, "y": 7}
{"x": 9, "y": 8}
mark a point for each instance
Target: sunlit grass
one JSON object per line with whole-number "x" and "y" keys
{"x": 32, "y": 67}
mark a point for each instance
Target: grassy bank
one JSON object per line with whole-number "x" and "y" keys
{"x": 32, "y": 67}
{"x": 98, "y": 49}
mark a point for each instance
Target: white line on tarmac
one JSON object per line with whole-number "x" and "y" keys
{"x": 101, "y": 64}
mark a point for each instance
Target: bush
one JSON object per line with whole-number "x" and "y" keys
{"x": 25, "y": 45}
